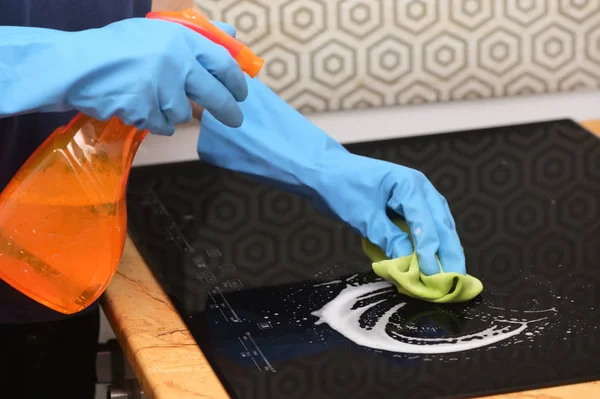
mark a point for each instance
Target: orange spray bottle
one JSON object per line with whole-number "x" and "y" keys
{"x": 63, "y": 217}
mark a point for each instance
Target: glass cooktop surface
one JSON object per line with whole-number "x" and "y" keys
{"x": 284, "y": 304}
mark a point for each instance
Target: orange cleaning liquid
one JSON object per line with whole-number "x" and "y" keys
{"x": 63, "y": 217}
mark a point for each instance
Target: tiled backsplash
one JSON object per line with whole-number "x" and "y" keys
{"x": 344, "y": 54}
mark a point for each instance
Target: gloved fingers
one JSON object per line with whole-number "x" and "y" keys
{"x": 225, "y": 27}
{"x": 217, "y": 60}
{"x": 450, "y": 251}
{"x": 413, "y": 205}
{"x": 156, "y": 123}
{"x": 381, "y": 231}
{"x": 205, "y": 90}
{"x": 176, "y": 107}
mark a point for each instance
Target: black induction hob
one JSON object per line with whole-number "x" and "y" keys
{"x": 249, "y": 268}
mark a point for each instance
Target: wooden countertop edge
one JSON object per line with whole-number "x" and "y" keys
{"x": 161, "y": 350}
{"x": 168, "y": 362}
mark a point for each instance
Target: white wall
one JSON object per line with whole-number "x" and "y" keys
{"x": 380, "y": 123}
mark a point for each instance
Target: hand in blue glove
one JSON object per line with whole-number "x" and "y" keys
{"x": 143, "y": 71}
{"x": 278, "y": 145}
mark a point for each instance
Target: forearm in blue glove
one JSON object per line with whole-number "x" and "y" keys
{"x": 142, "y": 71}
{"x": 277, "y": 144}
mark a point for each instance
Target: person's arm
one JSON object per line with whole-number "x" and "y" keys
{"x": 26, "y": 80}
{"x": 278, "y": 145}
{"x": 140, "y": 70}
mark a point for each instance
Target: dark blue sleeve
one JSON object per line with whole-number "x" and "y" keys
{"x": 70, "y": 15}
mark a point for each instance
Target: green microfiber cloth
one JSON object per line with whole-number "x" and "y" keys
{"x": 406, "y": 275}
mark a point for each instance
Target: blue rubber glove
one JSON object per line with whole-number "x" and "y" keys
{"x": 278, "y": 145}
{"x": 140, "y": 70}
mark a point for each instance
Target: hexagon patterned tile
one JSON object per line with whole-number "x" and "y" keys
{"x": 327, "y": 55}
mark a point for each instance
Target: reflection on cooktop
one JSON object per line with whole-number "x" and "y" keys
{"x": 284, "y": 303}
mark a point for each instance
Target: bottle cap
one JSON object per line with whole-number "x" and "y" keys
{"x": 249, "y": 62}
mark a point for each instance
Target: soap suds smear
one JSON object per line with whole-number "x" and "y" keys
{"x": 553, "y": 309}
{"x": 328, "y": 283}
{"x": 342, "y": 314}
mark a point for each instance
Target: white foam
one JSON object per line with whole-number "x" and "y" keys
{"x": 340, "y": 316}
{"x": 328, "y": 283}
{"x": 541, "y": 311}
